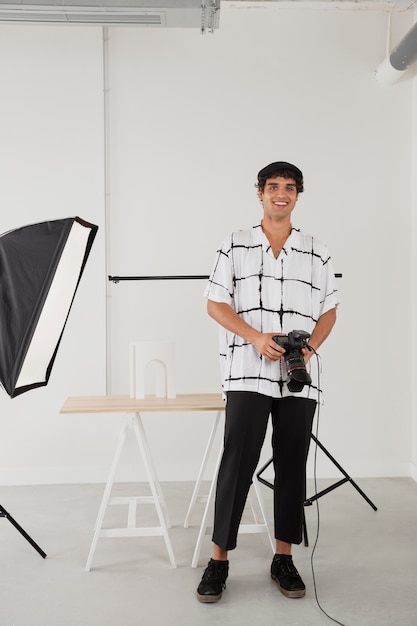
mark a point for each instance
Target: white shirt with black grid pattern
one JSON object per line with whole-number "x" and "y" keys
{"x": 272, "y": 295}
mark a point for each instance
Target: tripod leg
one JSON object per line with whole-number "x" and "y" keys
{"x": 345, "y": 474}
{"x": 259, "y": 473}
{"x": 4, "y": 513}
{"x": 310, "y": 501}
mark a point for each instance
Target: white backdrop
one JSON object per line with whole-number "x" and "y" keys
{"x": 191, "y": 120}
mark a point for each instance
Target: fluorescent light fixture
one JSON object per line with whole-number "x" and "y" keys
{"x": 203, "y": 14}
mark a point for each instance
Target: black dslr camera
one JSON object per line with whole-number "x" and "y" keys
{"x": 294, "y": 358}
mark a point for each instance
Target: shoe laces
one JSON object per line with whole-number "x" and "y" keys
{"x": 215, "y": 572}
{"x": 289, "y": 568}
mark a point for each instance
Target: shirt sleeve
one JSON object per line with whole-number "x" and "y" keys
{"x": 220, "y": 286}
{"x": 329, "y": 297}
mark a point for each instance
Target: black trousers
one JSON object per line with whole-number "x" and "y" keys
{"x": 247, "y": 415}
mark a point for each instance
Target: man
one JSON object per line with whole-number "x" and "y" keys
{"x": 269, "y": 280}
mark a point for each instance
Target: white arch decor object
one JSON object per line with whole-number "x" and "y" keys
{"x": 162, "y": 355}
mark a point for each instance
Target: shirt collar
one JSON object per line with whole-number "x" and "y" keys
{"x": 261, "y": 239}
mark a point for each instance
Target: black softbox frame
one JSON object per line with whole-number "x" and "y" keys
{"x": 40, "y": 268}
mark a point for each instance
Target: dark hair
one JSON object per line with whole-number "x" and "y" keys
{"x": 284, "y": 170}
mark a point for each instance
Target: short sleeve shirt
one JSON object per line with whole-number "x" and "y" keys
{"x": 272, "y": 295}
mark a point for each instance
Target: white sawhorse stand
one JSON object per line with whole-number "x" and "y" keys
{"x": 133, "y": 423}
{"x": 135, "y": 408}
{"x": 141, "y": 354}
{"x": 259, "y": 525}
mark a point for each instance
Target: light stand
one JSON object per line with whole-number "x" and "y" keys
{"x": 40, "y": 268}
{"x": 309, "y": 501}
{"x": 4, "y": 513}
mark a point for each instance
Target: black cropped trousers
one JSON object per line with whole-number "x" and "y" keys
{"x": 247, "y": 415}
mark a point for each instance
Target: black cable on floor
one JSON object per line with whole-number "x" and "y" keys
{"x": 317, "y": 501}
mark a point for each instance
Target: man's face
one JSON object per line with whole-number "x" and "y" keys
{"x": 278, "y": 197}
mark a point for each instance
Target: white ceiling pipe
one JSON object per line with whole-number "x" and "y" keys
{"x": 400, "y": 59}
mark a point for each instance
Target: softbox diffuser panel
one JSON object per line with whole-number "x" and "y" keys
{"x": 40, "y": 269}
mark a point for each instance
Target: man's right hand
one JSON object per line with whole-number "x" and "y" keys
{"x": 267, "y": 346}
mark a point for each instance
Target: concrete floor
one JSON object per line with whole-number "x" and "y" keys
{"x": 365, "y": 563}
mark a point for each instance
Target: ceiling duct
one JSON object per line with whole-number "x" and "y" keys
{"x": 401, "y": 59}
{"x": 203, "y": 14}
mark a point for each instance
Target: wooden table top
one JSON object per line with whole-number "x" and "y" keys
{"x": 126, "y": 404}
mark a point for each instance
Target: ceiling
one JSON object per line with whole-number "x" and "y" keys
{"x": 148, "y": 13}
{"x": 360, "y": 5}
{"x": 164, "y": 13}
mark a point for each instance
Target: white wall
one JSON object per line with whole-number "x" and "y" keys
{"x": 192, "y": 120}
{"x": 51, "y": 163}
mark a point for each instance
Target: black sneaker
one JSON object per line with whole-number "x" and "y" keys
{"x": 213, "y": 581}
{"x": 284, "y": 572}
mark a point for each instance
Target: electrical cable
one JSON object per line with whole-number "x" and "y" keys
{"x": 316, "y": 491}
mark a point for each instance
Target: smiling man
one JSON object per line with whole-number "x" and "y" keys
{"x": 269, "y": 280}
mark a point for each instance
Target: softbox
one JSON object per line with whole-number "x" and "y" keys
{"x": 40, "y": 269}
